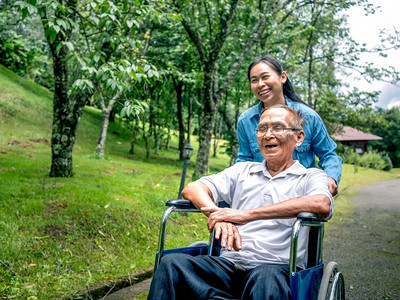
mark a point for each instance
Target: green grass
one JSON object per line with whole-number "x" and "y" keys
{"x": 60, "y": 237}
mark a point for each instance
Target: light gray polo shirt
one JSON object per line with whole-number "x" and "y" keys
{"x": 248, "y": 185}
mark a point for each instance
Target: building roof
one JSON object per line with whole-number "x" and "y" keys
{"x": 352, "y": 134}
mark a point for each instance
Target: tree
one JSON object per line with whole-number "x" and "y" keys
{"x": 210, "y": 40}
{"x": 113, "y": 60}
{"x": 62, "y": 21}
{"x": 59, "y": 23}
{"x": 390, "y": 134}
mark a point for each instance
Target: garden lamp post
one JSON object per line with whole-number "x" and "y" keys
{"x": 187, "y": 153}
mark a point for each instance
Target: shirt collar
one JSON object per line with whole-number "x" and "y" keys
{"x": 295, "y": 169}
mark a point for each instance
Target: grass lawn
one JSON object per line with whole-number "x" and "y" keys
{"x": 61, "y": 237}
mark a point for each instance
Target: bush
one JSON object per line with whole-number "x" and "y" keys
{"x": 388, "y": 162}
{"x": 372, "y": 159}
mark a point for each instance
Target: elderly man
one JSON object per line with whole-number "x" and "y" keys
{"x": 255, "y": 232}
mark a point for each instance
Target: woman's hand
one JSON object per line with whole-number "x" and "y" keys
{"x": 332, "y": 186}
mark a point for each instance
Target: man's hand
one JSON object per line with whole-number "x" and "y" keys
{"x": 216, "y": 214}
{"x": 229, "y": 235}
{"x": 332, "y": 186}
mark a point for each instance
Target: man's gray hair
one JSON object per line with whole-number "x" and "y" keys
{"x": 297, "y": 116}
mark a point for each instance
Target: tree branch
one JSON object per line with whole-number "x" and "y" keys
{"x": 225, "y": 21}
{"x": 193, "y": 35}
{"x": 252, "y": 40}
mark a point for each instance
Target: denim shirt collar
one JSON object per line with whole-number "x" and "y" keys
{"x": 260, "y": 107}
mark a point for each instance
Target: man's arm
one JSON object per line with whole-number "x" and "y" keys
{"x": 317, "y": 204}
{"x": 200, "y": 195}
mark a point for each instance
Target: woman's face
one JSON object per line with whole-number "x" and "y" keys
{"x": 267, "y": 85}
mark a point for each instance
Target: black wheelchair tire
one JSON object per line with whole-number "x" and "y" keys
{"x": 198, "y": 243}
{"x": 328, "y": 279}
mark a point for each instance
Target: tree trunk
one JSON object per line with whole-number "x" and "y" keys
{"x": 156, "y": 128}
{"x": 189, "y": 119}
{"x": 235, "y": 142}
{"x": 146, "y": 140}
{"x": 63, "y": 134}
{"x": 206, "y": 124}
{"x": 101, "y": 143}
{"x": 231, "y": 125}
{"x": 66, "y": 111}
{"x": 134, "y": 136}
{"x": 179, "y": 89}
{"x": 106, "y": 112}
{"x": 205, "y": 133}
{"x": 169, "y": 127}
{"x": 217, "y": 136}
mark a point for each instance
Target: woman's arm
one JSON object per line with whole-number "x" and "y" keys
{"x": 244, "y": 153}
{"x": 324, "y": 147}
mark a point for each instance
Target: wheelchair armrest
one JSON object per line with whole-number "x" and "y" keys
{"x": 309, "y": 217}
{"x": 180, "y": 203}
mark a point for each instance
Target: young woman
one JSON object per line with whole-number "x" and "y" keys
{"x": 271, "y": 85}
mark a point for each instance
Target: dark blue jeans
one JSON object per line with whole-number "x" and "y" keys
{"x": 181, "y": 276}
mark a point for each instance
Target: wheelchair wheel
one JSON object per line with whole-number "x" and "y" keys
{"x": 198, "y": 243}
{"x": 332, "y": 284}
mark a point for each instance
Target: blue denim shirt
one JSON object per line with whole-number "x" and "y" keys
{"x": 316, "y": 142}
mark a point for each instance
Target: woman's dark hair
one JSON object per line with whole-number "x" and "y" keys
{"x": 288, "y": 90}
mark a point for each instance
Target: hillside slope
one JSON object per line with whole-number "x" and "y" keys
{"x": 59, "y": 236}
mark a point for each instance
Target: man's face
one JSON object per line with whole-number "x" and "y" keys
{"x": 279, "y": 147}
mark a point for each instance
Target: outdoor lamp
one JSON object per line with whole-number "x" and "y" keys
{"x": 187, "y": 151}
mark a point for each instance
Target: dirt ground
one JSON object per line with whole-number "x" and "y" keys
{"x": 363, "y": 238}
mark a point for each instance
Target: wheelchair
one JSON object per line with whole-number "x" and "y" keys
{"x": 317, "y": 281}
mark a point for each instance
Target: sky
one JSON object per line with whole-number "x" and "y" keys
{"x": 366, "y": 29}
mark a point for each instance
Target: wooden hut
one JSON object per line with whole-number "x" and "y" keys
{"x": 355, "y": 138}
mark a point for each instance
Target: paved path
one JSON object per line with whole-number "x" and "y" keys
{"x": 131, "y": 292}
{"x": 363, "y": 238}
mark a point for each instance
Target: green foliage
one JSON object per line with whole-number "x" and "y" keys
{"x": 15, "y": 56}
{"x": 133, "y": 109}
{"x": 388, "y": 162}
{"x": 22, "y": 47}
{"x": 137, "y": 49}
{"x": 390, "y": 133}
{"x": 371, "y": 159}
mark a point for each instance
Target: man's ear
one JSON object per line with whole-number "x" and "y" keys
{"x": 300, "y": 137}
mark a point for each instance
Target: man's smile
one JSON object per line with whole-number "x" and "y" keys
{"x": 270, "y": 146}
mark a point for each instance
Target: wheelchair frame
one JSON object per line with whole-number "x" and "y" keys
{"x": 315, "y": 282}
